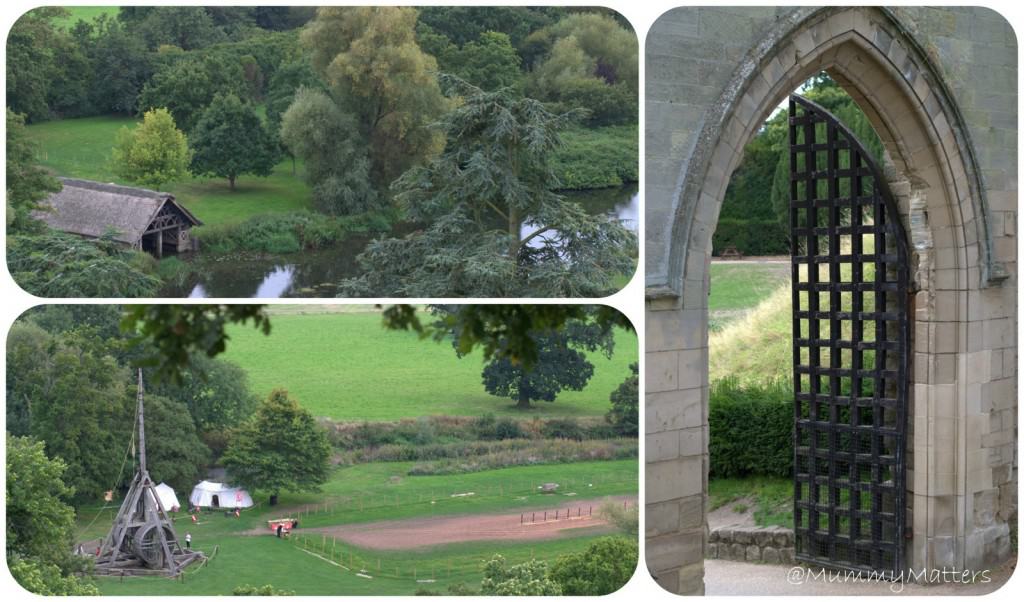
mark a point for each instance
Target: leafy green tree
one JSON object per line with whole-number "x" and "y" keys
{"x": 527, "y": 579}
{"x": 230, "y": 140}
{"x": 489, "y": 62}
{"x": 215, "y": 392}
{"x": 561, "y": 364}
{"x": 121, "y": 65}
{"x": 464, "y": 24}
{"x": 27, "y": 183}
{"x": 280, "y": 449}
{"x": 328, "y": 141}
{"x": 32, "y": 65}
{"x": 625, "y": 412}
{"x": 493, "y": 178}
{"x": 75, "y": 401}
{"x": 603, "y": 568}
{"x": 40, "y": 523}
{"x": 174, "y": 452}
{"x": 153, "y": 153}
{"x": 187, "y": 27}
{"x": 369, "y": 59}
{"x": 186, "y": 86}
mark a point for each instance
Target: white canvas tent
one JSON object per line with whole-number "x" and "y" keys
{"x": 208, "y": 494}
{"x": 168, "y": 499}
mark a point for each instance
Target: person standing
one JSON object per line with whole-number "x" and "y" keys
{"x": 188, "y": 540}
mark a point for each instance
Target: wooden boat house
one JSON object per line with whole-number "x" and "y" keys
{"x": 142, "y": 219}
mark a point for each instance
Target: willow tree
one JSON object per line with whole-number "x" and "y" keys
{"x": 369, "y": 58}
{"x": 493, "y": 225}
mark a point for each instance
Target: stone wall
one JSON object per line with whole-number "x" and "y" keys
{"x": 768, "y": 545}
{"x": 939, "y": 85}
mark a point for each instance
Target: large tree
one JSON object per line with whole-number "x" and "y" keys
{"x": 281, "y": 448}
{"x": 327, "y": 139}
{"x": 370, "y": 60}
{"x": 490, "y": 62}
{"x": 527, "y": 579}
{"x": 153, "y": 153}
{"x": 40, "y": 523}
{"x": 476, "y": 200}
{"x": 230, "y": 140}
{"x": 33, "y": 66}
{"x": 174, "y": 452}
{"x": 625, "y": 412}
{"x": 27, "y": 183}
{"x": 561, "y": 364}
{"x": 121, "y": 65}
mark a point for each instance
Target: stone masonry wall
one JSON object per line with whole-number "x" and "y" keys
{"x": 768, "y": 545}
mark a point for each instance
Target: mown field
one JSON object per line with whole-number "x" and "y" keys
{"x": 367, "y": 493}
{"x": 346, "y": 366}
{"x": 80, "y": 148}
{"x": 84, "y": 13}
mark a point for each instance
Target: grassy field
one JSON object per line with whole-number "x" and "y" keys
{"x": 347, "y": 367}
{"x": 367, "y": 493}
{"x": 84, "y": 13}
{"x": 81, "y": 148}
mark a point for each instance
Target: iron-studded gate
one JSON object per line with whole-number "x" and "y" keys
{"x": 850, "y": 349}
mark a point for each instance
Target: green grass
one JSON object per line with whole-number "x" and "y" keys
{"x": 346, "y": 366}
{"x": 772, "y": 498}
{"x": 81, "y": 148}
{"x": 84, "y": 13}
{"x": 367, "y": 493}
{"x": 744, "y": 285}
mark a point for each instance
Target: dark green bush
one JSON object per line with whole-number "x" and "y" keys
{"x": 751, "y": 429}
{"x": 751, "y": 237}
{"x": 598, "y": 157}
{"x": 288, "y": 232}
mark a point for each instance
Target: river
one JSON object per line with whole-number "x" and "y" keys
{"x": 315, "y": 273}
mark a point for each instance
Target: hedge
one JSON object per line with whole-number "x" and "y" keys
{"x": 751, "y": 237}
{"x": 751, "y": 429}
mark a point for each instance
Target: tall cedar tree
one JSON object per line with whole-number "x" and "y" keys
{"x": 369, "y": 58}
{"x": 230, "y": 140}
{"x": 280, "y": 449}
{"x": 494, "y": 226}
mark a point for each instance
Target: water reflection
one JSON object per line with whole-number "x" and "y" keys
{"x": 315, "y": 273}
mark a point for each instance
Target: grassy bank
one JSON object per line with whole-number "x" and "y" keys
{"x": 347, "y": 367}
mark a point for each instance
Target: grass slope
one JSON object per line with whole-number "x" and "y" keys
{"x": 84, "y": 13}
{"x": 81, "y": 148}
{"x": 346, "y": 366}
{"x": 367, "y": 493}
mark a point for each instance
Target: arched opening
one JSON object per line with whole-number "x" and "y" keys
{"x": 937, "y": 187}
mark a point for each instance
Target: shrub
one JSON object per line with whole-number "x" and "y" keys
{"x": 266, "y": 590}
{"x": 604, "y": 567}
{"x": 459, "y": 458}
{"x": 751, "y": 429}
{"x": 751, "y": 237}
{"x": 563, "y": 428}
{"x": 288, "y": 232}
{"x": 597, "y": 158}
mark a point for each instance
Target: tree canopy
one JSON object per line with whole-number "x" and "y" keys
{"x": 477, "y": 199}
{"x": 230, "y": 140}
{"x": 27, "y": 183}
{"x": 603, "y": 568}
{"x": 369, "y": 58}
{"x": 153, "y": 153}
{"x": 281, "y": 448}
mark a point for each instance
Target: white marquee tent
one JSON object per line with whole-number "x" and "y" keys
{"x": 208, "y": 494}
{"x": 168, "y": 499}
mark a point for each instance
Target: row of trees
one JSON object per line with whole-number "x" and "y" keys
{"x": 755, "y": 216}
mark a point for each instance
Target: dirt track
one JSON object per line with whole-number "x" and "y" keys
{"x": 423, "y": 532}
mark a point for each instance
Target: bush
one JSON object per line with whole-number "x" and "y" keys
{"x": 597, "y": 158}
{"x": 288, "y": 232}
{"x": 603, "y": 568}
{"x": 266, "y": 590}
{"x": 751, "y": 237}
{"x": 489, "y": 428}
{"x": 460, "y": 458}
{"x": 751, "y": 429}
{"x": 563, "y": 428}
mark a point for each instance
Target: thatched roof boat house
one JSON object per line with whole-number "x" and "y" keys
{"x": 142, "y": 219}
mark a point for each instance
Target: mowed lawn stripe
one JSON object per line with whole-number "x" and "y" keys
{"x": 348, "y": 367}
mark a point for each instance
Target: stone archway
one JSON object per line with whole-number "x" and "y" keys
{"x": 961, "y": 485}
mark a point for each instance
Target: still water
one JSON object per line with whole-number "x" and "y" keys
{"x": 314, "y": 273}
